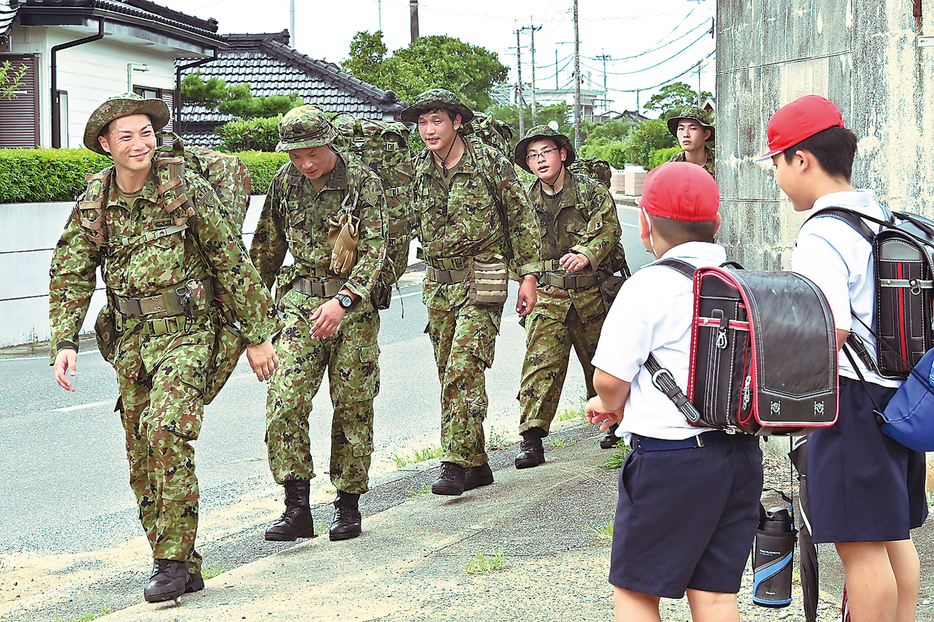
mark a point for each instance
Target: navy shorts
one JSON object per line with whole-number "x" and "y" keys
{"x": 687, "y": 518}
{"x": 862, "y": 486}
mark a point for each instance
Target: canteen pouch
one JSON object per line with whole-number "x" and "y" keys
{"x": 489, "y": 282}
{"x": 343, "y": 237}
{"x": 105, "y": 329}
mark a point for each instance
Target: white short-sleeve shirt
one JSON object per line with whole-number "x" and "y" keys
{"x": 652, "y": 314}
{"x": 839, "y": 261}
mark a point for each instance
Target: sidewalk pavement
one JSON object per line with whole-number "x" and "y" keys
{"x": 411, "y": 563}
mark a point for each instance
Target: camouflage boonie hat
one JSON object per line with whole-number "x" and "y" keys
{"x": 434, "y": 99}
{"x": 305, "y": 127}
{"x": 540, "y": 132}
{"x": 695, "y": 114}
{"x": 121, "y": 106}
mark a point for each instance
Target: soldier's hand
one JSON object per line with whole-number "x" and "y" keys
{"x": 574, "y": 262}
{"x": 596, "y": 413}
{"x": 263, "y": 360}
{"x": 326, "y": 319}
{"x": 527, "y": 295}
{"x": 66, "y": 365}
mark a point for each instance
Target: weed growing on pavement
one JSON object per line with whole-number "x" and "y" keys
{"x": 556, "y": 443}
{"x": 497, "y": 439}
{"x": 419, "y": 455}
{"x": 604, "y": 531}
{"x": 570, "y": 413}
{"x": 480, "y": 562}
{"x": 321, "y": 528}
{"x": 616, "y": 460}
{"x": 209, "y": 572}
{"x": 104, "y": 611}
{"x": 423, "y": 491}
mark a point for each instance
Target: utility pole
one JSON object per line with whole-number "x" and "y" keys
{"x": 292, "y": 22}
{"x": 413, "y": 19}
{"x": 698, "y": 84}
{"x": 606, "y": 94}
{"x": 533, "y": 29}
{"x": 556, "y": 69}
{"x": 577, "y": 82}
{"x": 519, "y": 102}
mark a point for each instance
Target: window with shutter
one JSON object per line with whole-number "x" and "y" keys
{"x": 19, "y": 117}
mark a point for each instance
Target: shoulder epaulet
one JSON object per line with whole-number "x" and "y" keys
{"x": 91, "y": 206}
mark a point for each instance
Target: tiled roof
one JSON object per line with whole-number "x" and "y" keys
{"x": 271, "y": 67}
{"x": 135, "y": 10}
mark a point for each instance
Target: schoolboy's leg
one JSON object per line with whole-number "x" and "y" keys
{"x": 870, "y": 581}
{"x": 634, "y": 606}
{"x": 713, "y": 606}
{"x": 907, "y": 568}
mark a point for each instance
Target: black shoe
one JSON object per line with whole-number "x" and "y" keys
{"x": 168, "y": 580}
{"x": 347, "y": 517}
{"x": 609, "y": 441}
{"x": 531, "y": 452}
{"x": 478, "y": 476}
{"x": 451, "y": 481}
{"x": 195, "y": 582}
{"x": 296, "y": 521}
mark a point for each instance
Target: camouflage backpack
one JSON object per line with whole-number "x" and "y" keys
{"x": 230, "y": 178}
{"x": 595, "y": 168}
{"x": 383, "y": 147}
{"x": 490, "y": 131}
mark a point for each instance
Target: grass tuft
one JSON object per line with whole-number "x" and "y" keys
{"x": 497, "y": 439}
{"x": 419, "y": 455}
{"x": 557, "y": 443}
{"x": 616, "y": 460}
{"x": 104, "y": 611}
{"x": 209, "y": 572}
{"x": 481, "y": 562}
{"x": 604, "y": 531}
{"x": 423, "y": 491}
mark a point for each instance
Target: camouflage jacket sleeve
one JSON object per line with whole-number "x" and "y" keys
{"x": 270, "y": 244}
{"x": 603, "y": 229}
{"x": 371, "y": 247}
{"x": 230, "y": 263}
{"x": 524, "y": 226}
{"x": 72, "y": 279}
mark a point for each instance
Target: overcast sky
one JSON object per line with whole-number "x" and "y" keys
{"x": 675, "y": 29}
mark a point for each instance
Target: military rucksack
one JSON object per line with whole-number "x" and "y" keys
{"x": 595, "y": 168}
{"x": 230, "y": 179}
{"x": 490, "y": 131}
{"x": 383, "y": 147}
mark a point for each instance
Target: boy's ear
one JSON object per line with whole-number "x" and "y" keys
{"x": 717, "y": 227}
{"x": 802, "y": 160}
{"x": 645, "y": 227}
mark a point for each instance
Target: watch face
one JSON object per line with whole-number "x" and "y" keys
{"x": 344, "y": 300}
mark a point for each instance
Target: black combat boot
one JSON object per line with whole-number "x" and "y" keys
{"x": 609, "y": 441}
{"x": 531, "y": 452}
{"x": 296, "y": 521}
{"x": 168, "y": 581}
{"x": 346, "y": 523}
{"x": 478, "y": 476}
{"x": 451, "y": 480}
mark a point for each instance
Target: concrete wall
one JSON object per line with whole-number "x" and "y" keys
{"x": 863, "y": 55}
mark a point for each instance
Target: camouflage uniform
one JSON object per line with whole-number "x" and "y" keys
{"x": 703, "y": 119}
{"x": 295, "y": 218}
{"x": 455, "y": 226}
{"x": 161, "y": 361}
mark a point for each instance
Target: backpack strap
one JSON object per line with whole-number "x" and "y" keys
{"x": 854, "y": 219}
{"x": 678, "y": 265}
{"x": 91, "y": 207}
{"x": 500, "y": 208}
{"x": 173, "y": 189}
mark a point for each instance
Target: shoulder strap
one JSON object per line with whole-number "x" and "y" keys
{"x": 665, "y": 382}
{"x": 678, "y": 265}
{"x": 173, "y": 189}
{"x": 852, "y": 218}
{"x": 500, "y": 208}
{"x": 91, "y": 207}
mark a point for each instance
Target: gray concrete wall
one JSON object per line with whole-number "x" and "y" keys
{"x": 863, "y": 55}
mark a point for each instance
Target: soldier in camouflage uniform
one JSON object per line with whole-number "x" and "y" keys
{"x": 579, "y": 229}
{"x": 150, "y": 266}
{"x": 471, "y": 210}
{"x": 693, "y": 129}
{"x": 330, "y": 321}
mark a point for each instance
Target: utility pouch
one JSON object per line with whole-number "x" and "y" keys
{"x": 105, "y": 329}
{"x": 489, "y": 282}
{"x": 343, "y": 237}
{"x": 610, "y": 285}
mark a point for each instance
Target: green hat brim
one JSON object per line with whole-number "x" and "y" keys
{"x": 560, "y": 140}
{"x": 327, "y": 139}
{"x": 411, "y": 114}
{"x": 156, "y": 109}
{"x": 673, "y": 126}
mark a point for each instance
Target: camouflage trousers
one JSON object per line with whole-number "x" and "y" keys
{"x": 160, "y": 423}
{"x": 548, "y": 348}
{"x": 464, "y": 339}
{"x": 350, "y": 358}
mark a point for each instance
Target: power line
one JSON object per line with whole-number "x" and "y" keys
{"x": 653, "y": 49}
{"x": 673, "y": 56}
{"x": 649, "y": 88}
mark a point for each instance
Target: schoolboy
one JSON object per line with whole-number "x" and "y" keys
{"x": 860, "y": 493}
{"x": 689, "y": 497}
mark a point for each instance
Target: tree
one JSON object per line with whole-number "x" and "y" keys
{"x": 543, "y": 115}
{"x": 436, "y": 61}
{"x": 237, "y": 100}
{"x": 10, "y": 81}
{"x": 673, "y": 97}
{"x": 646, "y": 138}
{"x": 611, "y": 131}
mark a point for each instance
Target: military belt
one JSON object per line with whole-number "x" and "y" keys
{"x": 446, "y": 276}
{"x": 447, "y": 263}
{"x": 327, "y": 288}
{"x": 154, "y": 327}
{"x": 568, "y": 281}
{"x": 166, "y": 303}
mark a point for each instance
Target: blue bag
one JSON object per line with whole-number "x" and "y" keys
{"x": 909, "y": 415}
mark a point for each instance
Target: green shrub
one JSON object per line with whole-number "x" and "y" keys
{"x": 660, "y": 156}
{"x": 45, "y": 175}
{"x": 259, "y": 134}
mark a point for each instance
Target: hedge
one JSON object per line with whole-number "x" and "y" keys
{"x": 660, "y": 156}
{"x": 46, "y": 175}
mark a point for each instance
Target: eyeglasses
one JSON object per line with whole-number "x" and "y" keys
{"x": 541, "y": 155}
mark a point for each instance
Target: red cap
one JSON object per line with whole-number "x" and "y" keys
{"x": 682, "y": 191}
{"x": 798, "y": 120}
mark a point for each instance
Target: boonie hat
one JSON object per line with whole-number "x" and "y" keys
{"x": 681, "y": 191}
{"x": 434, "y": 99}
{"x": 799, "y": 120}
{"x": 543, "y": 132}
{"x": 121, "y": 106}
{"x": 305, "y": 127}
{"x": 694, "y": 114}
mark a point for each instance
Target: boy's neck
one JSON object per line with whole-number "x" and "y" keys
{"x": 827, "y": 184}
{"x": 697, "y": 156}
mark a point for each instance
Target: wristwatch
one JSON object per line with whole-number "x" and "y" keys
{"x": 345, "y": 300}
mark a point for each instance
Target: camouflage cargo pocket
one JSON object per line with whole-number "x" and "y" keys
{"x": 489, "y": 282}
{"x": 355, "y": 376}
